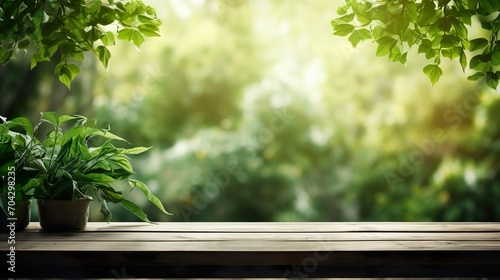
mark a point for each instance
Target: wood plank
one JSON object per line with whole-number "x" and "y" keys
{"x": 53, "y": 258}
{"x": 292, "y": 227}
{"x": 258, "y": 246}
{"x": 98, "y": 236}
{"x": 232, "y": 250}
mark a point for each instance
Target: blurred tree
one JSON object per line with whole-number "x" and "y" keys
{"x": 257, "y": 114}
{"x": 196, "y": 80}
{"x": 320, "y": 134}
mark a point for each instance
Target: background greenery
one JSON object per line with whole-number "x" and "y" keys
{"x": 258, "y": 113}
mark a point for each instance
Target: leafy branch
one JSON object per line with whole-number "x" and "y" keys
{"x": 72, "y": 27}
{"x": 437, "y": 28}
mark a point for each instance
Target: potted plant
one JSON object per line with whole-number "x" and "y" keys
{"x": 79, "y": 162}
{"x": 16, "y": 187}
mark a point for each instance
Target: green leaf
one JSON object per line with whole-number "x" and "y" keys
{"x": 150, "y": 20}
{"x": 108, "y": 38}
{"x": 149, "y": 195}
{"x": 460, "y": 29}
{"x": 105, "y": 211}
{"x": 133, "y": 8}
{"x": 134, "y": 209}
{"x": 381, "y": 14}
{"x": 343, "y": 19}
{"x": 385, "y": 46}
{"x": 74, "y": 133}
{"x": 428, "y": 13}
{"x": 495, "y": 57}
{"x": 149, "y": 30}
{"x": 478, "y": 44}
{"x": 398, "y": 26}
{"x": 121, "y": 168}
{"x": 109, "y": 194}
{"x": 452, "y": 53}
{"x": 106, "y": 134}
{"x": 106, "y": 15}
{"x": 410, "y": 36}
{"x": 120, "y": 6}
{"x": 490, "y": 6}
{"x": 472, "y": 4}
{"x": 74, "y": 69}
{"x": 478, "y": 63}
{"x": 104, "y": 55}
{"x": 93, "y": 178}
{"x": 75, "y": 23}
{"x": 359, "y": 35}
{"x": 425, "y": 46}
{"x": 433, "y": 72}
{"x": 23, "y": 44}
{"x": 443, "y": 24}
{"x": 343, "y": 29}
{"x": 395, "y": 54}
{"x": 403, "y": 58}
{"x": 412, "y": 10}
{"x": 361, "y": 8}
{"x": 65, "y": 77}
{"x": 136, "y": 150}
{"x": 476, "y": 76}
{"x": 342, "y": 10}
{"x": 449, "y": 41}
{"x": 128, "y": 34}
{"x": 67, "y": 72}
{"x": 463, "y": 60}
{"x": 51, "y": 118}
{"x": 466, "y": 16}
{"x": 21, "y": 122}
{"x": 150, "y": 11}
{"x": 77, "y": 55}
{"x": 492, "y": 80}
{"x": 65, "y": 118}
{"x": 378, "y": 32}
{"x": 93, "y": 35}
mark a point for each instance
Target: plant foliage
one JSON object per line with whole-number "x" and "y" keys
{"x": 74, "y": 161}
{"x": 437, "y": 28}
{"x": 14, "y": 156}
{"x": 72, "y": 27}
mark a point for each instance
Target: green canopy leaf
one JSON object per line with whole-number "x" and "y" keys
{"x": 433, "y": 72}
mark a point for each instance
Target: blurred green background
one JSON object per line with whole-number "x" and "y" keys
{"x": 256, "y": 112}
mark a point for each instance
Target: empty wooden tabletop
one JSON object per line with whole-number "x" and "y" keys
{"x": 286, "y": 250}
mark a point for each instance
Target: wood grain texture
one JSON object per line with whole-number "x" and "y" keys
{"x": 293, "y": 227}
{"x": 292, "y": 250}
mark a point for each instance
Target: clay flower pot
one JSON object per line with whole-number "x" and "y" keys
{"x": 63, "y": 214}
{"x": 23, "y": 216}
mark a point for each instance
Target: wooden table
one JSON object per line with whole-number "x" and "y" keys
{"x": 277, "y": 250}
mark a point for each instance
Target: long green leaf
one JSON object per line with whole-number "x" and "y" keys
{"x": 136, "y": 150}
{"x": 65, "y": 118}
{"x": 107, "y": 134}
{"x": 93, "y": 178}
{"x": 108, "y": 193}
{"x": 105, "y": 211}
{"x": 135, "y": 209}
{"x": 149, "y": 195}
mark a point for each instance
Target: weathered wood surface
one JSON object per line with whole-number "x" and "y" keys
{"x": 293, "y": 250}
